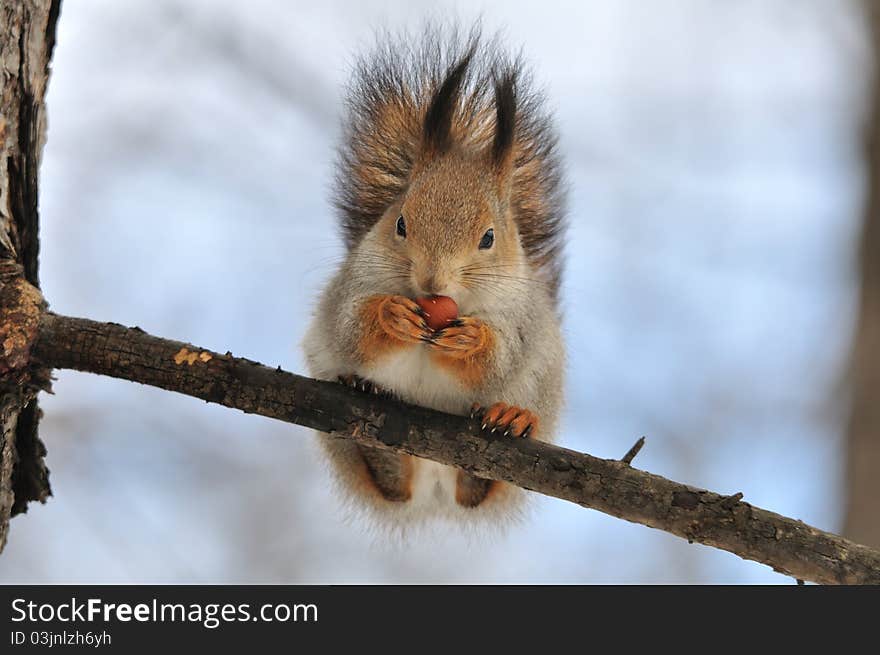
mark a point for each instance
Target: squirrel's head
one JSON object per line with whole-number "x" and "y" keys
{"x": 446, "y": 139}
{"x": 453, "y": 226}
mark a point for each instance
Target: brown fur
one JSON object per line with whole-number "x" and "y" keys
{"x": 374, "y": 341}
{"x": 468, "y": 361}
{"x": 391, "y": 474}
{"x": 388, "y": 322}
{"x": 470, "y": 491}
{"x": 394, "y": 91}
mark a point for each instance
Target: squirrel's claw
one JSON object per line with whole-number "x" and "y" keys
{"x": 464, "y": 337}
{"x": 507, "y": 419}
{"x": 362, "y": 384}
{"x": 403, "y": 319}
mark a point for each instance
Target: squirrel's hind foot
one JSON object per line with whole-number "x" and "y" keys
{"x": 471, "y": 491}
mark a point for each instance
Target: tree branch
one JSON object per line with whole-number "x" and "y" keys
{"x": 610, "y": 486}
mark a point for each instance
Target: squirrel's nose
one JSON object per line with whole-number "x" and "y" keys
{"x": 432, "y": 285}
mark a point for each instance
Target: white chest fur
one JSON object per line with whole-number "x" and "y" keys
{"x": 411, "y": 375}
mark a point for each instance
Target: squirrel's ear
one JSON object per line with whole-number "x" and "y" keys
{"x": 501, "y": 154}
{"x": 436, "y": 131}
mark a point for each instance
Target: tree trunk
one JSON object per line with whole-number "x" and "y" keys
{"x": 862, "y": 521}
{"x": 27, "y": 36}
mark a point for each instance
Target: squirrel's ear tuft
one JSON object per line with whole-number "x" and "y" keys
{"x": 436, "y": 132}
{"x": 505, "y": 122}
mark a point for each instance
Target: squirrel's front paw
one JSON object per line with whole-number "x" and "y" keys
{"x": 464, "y": 337}
{"x": 507, "y": 419}
{"x": 403, "y": 319}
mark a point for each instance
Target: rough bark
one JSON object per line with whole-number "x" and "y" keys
{"x": 27, "y": 37}
{"x": 610, "y": 486}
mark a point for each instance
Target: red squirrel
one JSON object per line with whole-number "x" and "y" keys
{"x": 448, "y": 184}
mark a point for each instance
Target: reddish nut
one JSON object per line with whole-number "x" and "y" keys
{"x": 440, "y": 311}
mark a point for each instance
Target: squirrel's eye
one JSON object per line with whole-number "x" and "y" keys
{"x": 487, "y": 240}
{"x": 401, "y": 227}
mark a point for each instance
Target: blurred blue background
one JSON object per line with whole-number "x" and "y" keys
{"x": 714, "y": 159}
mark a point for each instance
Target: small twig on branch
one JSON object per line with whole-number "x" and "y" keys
{"x": 632, "y": 452}
{"x": 731, "y": 501}
{"x": 610, "y": 486}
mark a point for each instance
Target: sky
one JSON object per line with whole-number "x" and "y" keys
{"x": 715, "y": 186}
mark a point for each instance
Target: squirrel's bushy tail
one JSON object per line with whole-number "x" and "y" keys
{"x": 388, "y": 105}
